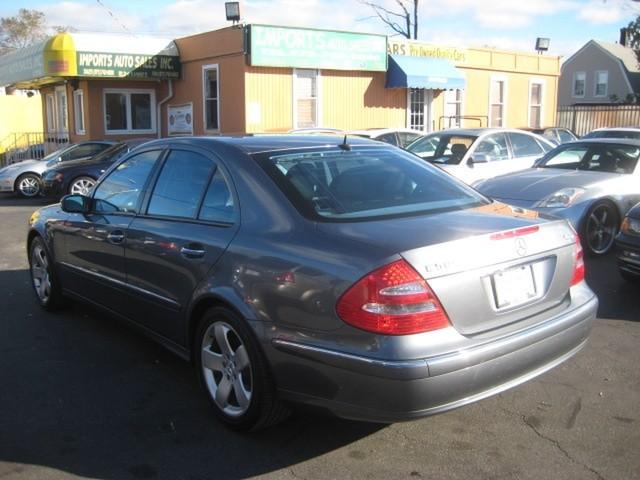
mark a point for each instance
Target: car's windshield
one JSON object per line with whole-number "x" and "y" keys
{"x": 609, "y": 158}
{"x": 442, "y": 148}
{"x": 364, "y": 183}
{"x": 56, "y": 154}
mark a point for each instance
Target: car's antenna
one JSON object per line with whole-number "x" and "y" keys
{"x": 344, "y": 145}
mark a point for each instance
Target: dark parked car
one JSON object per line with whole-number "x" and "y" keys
{"x": 619, "y": 132}
{"x": 79, "y": 176}
{"x": 341, "y": 273}
{"x": 628, "y": 245}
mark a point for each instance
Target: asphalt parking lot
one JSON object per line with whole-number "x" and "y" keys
{"x": 83, "y": 396}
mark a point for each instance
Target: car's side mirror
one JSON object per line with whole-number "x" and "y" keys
{"x": 477, "y": 158}
{"x": 75, "y": 203}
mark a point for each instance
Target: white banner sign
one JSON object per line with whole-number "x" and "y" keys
{"x": 180, "y": 119}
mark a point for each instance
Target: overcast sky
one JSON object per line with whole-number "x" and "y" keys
{"x": 508, "y": 24}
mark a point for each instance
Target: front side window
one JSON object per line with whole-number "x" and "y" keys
{"x": 524, "y": 145}
{"x": 181, "y": 185}
{"x": 364, "y": 183}
{"x": 129, "y": 111}
{"x": 493, "y": 148}
{"x": 305, "y": 91}
{"x": 497, "y": 95}
{"x": 535, "y": 105}
{"x": 579, "y": 80}
{"x": 602, "y": 81}
{"x": 438, "y": 148}
{"x": 211, "y": 104}
{"x": 78, "y": 110}
{"x": 83, "y": 151}
{"x": 120, "y": 191}
{"x": 565, "y": 136}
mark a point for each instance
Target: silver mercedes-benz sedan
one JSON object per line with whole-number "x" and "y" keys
{"x": 336, "y": 272}
{"x": 592, "y": 183}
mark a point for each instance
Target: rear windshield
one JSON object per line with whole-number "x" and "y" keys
{"x": 364, "y": 183}
{"x": 634, "y": 135}
{"x": 438, "y": 148}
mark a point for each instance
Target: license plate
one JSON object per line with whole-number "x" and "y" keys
{"x": 514, "y": 286}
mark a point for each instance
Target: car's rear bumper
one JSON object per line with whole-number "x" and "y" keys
{"x": 369, "y": 389}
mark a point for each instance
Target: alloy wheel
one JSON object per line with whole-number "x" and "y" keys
{"x": 601, "y": 229}
{"x": 227, "y": 369}
{"x": 81, "y": 186}
{"x": 29, "y": 186}
{"x": 40, "y": 273}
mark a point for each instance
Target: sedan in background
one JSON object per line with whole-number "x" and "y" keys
{"x": 628, "y": 245}
{"x": 79, "y": 176}
{"x": 475, "y": 154}
{"x": 25, "y": 178}
{"x": 592, "y": 183}
{"x": 346, "y": 275}
{"x": 400, "y": 137}
{"x": 557, "y": 135}
{"x": 633, "y": 133}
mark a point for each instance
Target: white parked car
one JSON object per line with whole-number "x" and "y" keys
{"x": 480, "y": 153}
{"x": 400, "y": 137}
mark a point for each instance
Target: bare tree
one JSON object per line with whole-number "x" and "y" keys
{"x": 24, "y": 29}
{"x": 398, "y": 19}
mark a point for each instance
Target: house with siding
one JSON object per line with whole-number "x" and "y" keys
{"x": 599, "y": 73}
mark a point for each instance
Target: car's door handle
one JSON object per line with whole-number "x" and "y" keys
{"x": 192, "y": 251}
{"x": 116, "y": 236}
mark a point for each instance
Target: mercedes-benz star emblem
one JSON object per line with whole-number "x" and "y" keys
{"x": 521, "y": 247}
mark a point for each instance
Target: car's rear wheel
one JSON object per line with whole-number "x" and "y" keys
{"x": 28, "y": 185}
{"x": 45, "y": 284}
{"x": 600, "y": 228}
{"x": 234, "y": 373}
{"x": 81, "y": 186}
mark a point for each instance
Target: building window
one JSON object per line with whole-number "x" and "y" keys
{"x": 51, "y": 113}
{"x": 211, "y": 91}
{"x": 453, "y": 108}
{"x": 305, "y": 98}
{"x": 78, "y": 111}
{"x": 602, "y": 81}
{"x": 416, "y": 109}
{"x": 579, "y": 80}
{"x": 61, "y": 109}
{"x": 535, "y": 104}
{"x": 129, "y": 111}
{"x": 497, "y": 96}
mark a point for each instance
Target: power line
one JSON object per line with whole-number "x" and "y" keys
{"x": 115, "y": 19}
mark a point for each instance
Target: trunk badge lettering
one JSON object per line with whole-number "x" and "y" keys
{"x": 520, "y": 246}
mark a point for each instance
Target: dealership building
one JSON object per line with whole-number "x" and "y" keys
{"x": 268, "y": 79}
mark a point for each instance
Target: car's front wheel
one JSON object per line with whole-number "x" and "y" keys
{"x": 45, "y": 283}
{"x": 234, "y": 373}
{"x": 28, "y": 185}
{"x": 600, "y": 228}
{"x": 81, "y": 185}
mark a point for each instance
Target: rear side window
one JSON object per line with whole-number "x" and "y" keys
{"x": 407, "y": 137}
{"x": 565, "y": 136}
{"x": 121, "y": 190}
{"x": 493, "y": 148}
{"x": 388, "y": 138}
{"x": 524, "y": 145}
{"x": 218, "y": 204}
{"x": 181, "y": 185}
{"x": 365, "y": 183}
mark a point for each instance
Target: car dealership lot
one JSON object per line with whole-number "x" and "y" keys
{"x": 84, "y": 396}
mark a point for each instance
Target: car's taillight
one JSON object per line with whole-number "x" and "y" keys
{"x": 392, "y": 300}
{"x": 578, "y": 263}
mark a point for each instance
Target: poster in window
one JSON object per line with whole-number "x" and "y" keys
{"x": 180, "y": 119}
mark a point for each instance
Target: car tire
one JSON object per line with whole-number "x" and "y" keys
{"x": 601, "y": 225}
{"x": 234, "y": 373}
{"x": 28, "y": 185}
{"x": 44, "y": 281}
{"x": 81, "y": 185}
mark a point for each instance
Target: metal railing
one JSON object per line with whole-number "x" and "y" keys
{"x": 20, "y": 146}
{"x": 459, "y": 119}
{"x": 584, "y": 118}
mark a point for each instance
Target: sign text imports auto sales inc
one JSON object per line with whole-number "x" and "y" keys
{"x": 126, "y": 65}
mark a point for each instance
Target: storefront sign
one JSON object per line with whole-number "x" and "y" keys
{"x": 180, "y": 119}
{"x": 119, "y": 65}
{"x": 415, "y": 49}
{"x": 301, "y": 48}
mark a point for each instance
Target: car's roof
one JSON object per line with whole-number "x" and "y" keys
{"x": 265, "y": 143}
{"x": 369, "y": 132}
{"x": 619, "y": 141}
{"x": 617, "y": 129}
